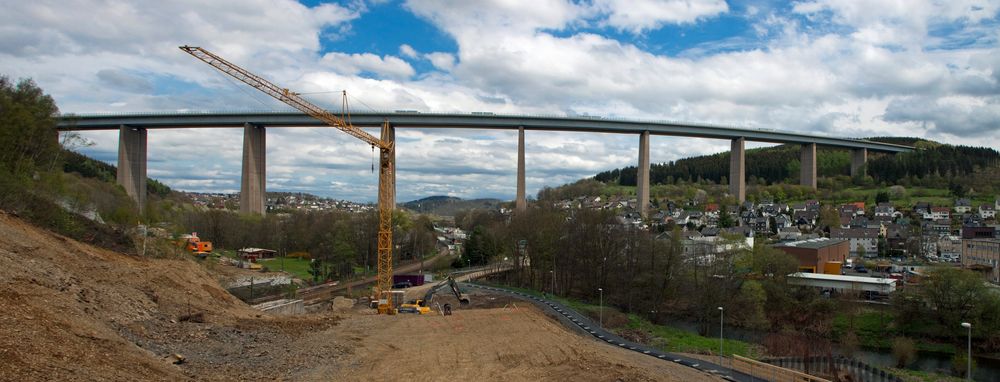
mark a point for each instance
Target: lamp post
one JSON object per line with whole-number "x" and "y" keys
{"x": 553, "y": 275}
{"x": 722, "y": 313}
{"x": 968, "y": 354}
{"x": 601, "y": 291}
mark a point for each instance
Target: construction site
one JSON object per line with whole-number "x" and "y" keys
{"x": 75, "y": 312}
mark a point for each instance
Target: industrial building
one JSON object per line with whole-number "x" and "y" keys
{"x": 821, "y": 255}
{"x": 982, "y": 255}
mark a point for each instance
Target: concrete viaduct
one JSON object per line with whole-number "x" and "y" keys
{"x": 133, "y": 129}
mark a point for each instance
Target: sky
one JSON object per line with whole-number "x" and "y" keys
{"x": 838, "y": 67}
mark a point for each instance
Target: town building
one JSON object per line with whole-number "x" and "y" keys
{"x": 982, "y": 255}
{"x": 987, "y": 211}
{"x": 861, "y": 239}
{"x": 963, "y": 206}
{"x": 822, "y": 255}
{"x": 937, "y": 213}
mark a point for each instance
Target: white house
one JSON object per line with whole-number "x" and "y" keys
{"x": 987, "y": 211}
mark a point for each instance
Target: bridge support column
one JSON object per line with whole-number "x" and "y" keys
{"x": 858, "y": 159}
{"x": 520, "y": 203}
{"x": 389, "y": 135}
{"x": 807, "y": 172}
{"x": 737, "y": 170}
{"x": 253, "y": 192}
{"x": 132, "y": 163}
{"x": 642, "y": 177}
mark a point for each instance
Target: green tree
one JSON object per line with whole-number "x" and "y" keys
{"x": 725, "y": 220}
{"x": 316, "y": 269}
{"x": 828, "y": 218}
{"x": 882, "y": 197}
{"x": 27, "y": 127}
{"x": 904, "y": 351}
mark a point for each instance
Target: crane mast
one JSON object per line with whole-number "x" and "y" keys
{"x": 387, "y": 159}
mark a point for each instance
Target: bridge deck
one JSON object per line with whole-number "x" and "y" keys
{"x": 470, "y": 121}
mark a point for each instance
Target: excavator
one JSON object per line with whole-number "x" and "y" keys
{"x": 387, "y": 160}
{"x": 422, "y": 306}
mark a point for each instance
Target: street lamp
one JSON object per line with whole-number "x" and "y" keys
{"x": 601, "y": 291}
{"x": 968, "y": 354}
{"x": 553, "y": 274}
{"x": 722, "y": 313}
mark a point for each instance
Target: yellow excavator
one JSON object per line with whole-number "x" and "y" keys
{"x": 422, "y": 306}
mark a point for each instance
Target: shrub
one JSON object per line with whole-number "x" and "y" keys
{"x": 904, "y": 350}
{"x": 959, "y": 364}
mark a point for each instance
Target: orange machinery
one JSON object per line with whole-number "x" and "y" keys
{"x": 196, "y": 246}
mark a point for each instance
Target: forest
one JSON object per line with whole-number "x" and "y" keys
{"x": 780, "y": 164}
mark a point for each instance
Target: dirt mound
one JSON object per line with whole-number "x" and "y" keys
{"x": 519, "y": 344}
{"x": 340, "y": 304}
{"x": 70, "y": 311}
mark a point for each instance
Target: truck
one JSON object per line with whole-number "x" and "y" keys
{"x": 407, "y": 281}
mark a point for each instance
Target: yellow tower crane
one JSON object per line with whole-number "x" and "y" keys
{"x": 387, "y": 160}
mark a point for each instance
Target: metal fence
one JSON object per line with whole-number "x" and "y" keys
{"x": 858, "y": 371}
{"x": 771, "y": 372}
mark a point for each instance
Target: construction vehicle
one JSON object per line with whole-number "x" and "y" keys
{"x": 387, "y": 160}
{"x": 196, "y": 246}
{"x": 422, "y": 306}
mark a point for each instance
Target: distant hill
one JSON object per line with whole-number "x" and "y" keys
{"x": 780, "y": 164}
{"x": 448, "y": 205}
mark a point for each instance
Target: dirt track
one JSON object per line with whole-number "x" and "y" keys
{"x": 72, "y": 312}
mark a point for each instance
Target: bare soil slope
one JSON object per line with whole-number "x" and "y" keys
{"x": 70, "y": 311}
{"x": 73, "y": 312}
{"x": 495, "y": 344}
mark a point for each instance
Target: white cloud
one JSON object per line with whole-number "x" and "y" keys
{"x": 355, "y": 64}
{"x": 407, "y": 51}
{"x": 441, "y": 60}
{"x": 500, "y": 16}
{"x": 637, "y": 16}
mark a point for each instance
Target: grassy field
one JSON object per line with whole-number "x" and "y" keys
{"x": 297, "y": 267}
{"x": 678, "y": 340}
{"x": 876, "y": 330}
{"x": 922, "y": 376}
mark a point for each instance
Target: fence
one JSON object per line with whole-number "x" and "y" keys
{"x": 859, "y": 371}
{"x": 771, "y": 372}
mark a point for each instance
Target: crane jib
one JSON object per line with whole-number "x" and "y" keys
{"x": 387, "y": 177}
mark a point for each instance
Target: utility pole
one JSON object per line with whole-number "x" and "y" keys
{"x": 722, "y": 313}
{"x": 968, "y": 354}
{"x": 601, "y": 291}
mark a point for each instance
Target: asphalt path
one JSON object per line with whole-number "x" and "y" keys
{"x": 578, "y": 322}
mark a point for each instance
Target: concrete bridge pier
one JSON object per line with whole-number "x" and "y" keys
{"x": 253, "y": 192}
{"x": 737, "y": 170}
{"x": 132, "y": 163}
{"x": 389, "y": 135}
{"x": 642, "y": 175}
{"x": 520, "y": 202}
{"x": 807, "y": 172}
{"x": 858, "y": 159}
